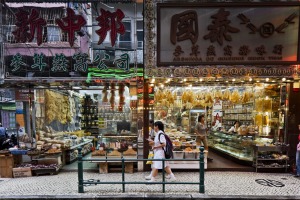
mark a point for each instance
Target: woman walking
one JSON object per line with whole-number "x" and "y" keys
{"x": 159, "y": 144}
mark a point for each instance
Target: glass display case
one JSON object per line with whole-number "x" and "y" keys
{"x": 237, "y": 146}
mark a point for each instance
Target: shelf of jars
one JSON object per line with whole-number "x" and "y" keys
{"x": 241, "y": 112}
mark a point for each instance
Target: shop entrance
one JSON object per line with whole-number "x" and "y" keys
{"x": 237, "y": 118}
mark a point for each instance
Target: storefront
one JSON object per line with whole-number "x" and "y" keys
{"x": 98, "y": 89}
{"x": 74, "y": 88}
{"x": 229, "y": 64}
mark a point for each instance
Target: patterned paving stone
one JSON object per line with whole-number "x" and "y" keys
{"x": 216, "y": 183}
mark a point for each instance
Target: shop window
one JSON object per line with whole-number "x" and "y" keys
{"x": 140, "y": 33}
{"x": 9, "y": 36}
{"x": 125, "y": 39}
{"x": 54, "y": 33}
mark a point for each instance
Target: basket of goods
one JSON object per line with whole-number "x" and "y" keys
{"x": 18, "y": 151}
{"x": 178, "y": 153}
{"x": 99, "y": 152}
{"x": 34, "y": 152}
{"x": 4, "y": 152}
{"x": 53, "y": 151}
{"x": 189, "y": 153}
{"x": 252, "y": 129}
{"x": 129, "y": 152}
{"x": 114, "y": 153}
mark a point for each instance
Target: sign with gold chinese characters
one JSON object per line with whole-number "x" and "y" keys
{"x": 195, "y": 34}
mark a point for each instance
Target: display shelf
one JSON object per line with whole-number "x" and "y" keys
{"x": 79, "y": 145}
{"x": 241, "y": 112}
{"x": 117, "y": 136}
{"x": 271, "y": 163}
{"x": 69, "y": 154}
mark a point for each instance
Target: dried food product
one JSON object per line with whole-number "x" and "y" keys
{"x": 208, "y": 98}
{"x": 258, "y": 120}
{"x": 115, "y": 152}
{"x": 226, "y": 94}
{"x": 267, "y": 105}
{"x": 235, "y": 96}
{"x": 259, "y": 105}
{"x": 53, "y": 151}
{"x": 218, "y": 94}
{"x": 246, "y": 97}
{"x": 187, "y": 96}
{"x": 57, "y": 107}
{"x": 129, "y": 151}
{"x": 265, "y": 120}
{"x": 176, "y": 143}
{"x": 122, "y": 97}
{"x": 105, "y": 93}
{"x": 158, "y": 96}
{"x": 99, "y": 153}
{"x": 188, "y": 149}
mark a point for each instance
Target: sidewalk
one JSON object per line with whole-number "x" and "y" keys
{"x": 218, "y": 185}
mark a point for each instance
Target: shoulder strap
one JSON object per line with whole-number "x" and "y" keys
{"x": 159, "y": 136}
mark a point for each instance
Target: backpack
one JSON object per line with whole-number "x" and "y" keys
{"x": 168, "y": 149}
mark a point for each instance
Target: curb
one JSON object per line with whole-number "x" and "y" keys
{"x": 148, "y": 197}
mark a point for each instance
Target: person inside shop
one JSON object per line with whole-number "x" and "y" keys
{"x": 3, "y": 138}
{"x": 151, "y": 132}
{"x": 298, "y": 155}
{"x": 159, "y": 153}
{"x": 201, "y": 133}
{"x": 22, "y": 136}
{"x": 151, "y": 142}
{"x": 235, "y": 127}
{"x": 123, "y": 126}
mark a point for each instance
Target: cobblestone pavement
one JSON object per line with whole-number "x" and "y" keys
{"x": 220, "y": 184}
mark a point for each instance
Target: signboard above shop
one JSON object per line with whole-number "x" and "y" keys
{"x": 197, "y": 34}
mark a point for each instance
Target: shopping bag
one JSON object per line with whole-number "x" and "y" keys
{"x": 150, "y": 157}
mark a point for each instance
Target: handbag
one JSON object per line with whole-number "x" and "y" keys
{"x": 150, "y": 157}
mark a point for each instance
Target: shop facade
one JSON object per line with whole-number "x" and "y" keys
{"x": 226, "y": 62}
{"x": 98, "y": 84}
{"x": 76, "y": 81}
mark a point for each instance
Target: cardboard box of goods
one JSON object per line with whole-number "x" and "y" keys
{"x": 6, "y": 165}
{"x": 22, "y": 172}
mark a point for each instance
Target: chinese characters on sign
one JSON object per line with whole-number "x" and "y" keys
{"x": 219, "y": 35}
{"x": 110, "y": 22}
{"x": 219, "y": 27}
{"x": 60, "y": 63}
{"x": 71, "y": 23}
{"x": 29, "y": 25}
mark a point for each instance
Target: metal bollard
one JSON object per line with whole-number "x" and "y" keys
{"x": 80, "y": 171}
{"x": 201, "y": 170}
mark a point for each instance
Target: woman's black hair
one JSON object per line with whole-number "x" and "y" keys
{"x": 151, "y": 121}
{"x": 236, "y": 122}
{"x": 200, "y": 117}
{"x": 160, "y": 125}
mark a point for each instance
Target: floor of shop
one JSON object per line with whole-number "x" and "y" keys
{"x": 87, "y": 166}
{"x": 219, "y": 163}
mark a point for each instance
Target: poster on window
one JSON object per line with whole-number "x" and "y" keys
{"x": 217, "y": 119}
